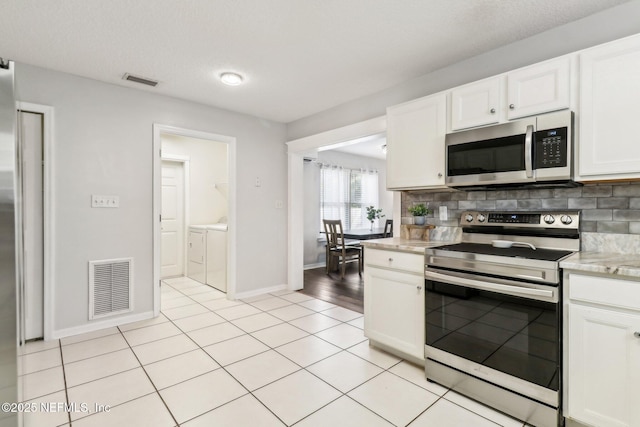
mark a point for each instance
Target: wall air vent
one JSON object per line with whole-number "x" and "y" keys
{"x": 141, "y": 80}
{"x": 110, "y": 287}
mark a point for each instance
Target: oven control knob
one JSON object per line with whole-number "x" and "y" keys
{"x": 481, "y": 217}
{"x": 469, "y": 217}
{"x": 549, "y": 219}
{"x": 566, "y": 219}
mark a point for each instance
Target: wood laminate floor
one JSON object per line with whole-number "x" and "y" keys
{"x": 347, "y": 292}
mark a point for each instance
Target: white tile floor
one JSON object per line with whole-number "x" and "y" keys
{"x": 272, "y": 360}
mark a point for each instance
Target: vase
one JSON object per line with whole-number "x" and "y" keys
{"x": 418, "y": 220}
{"x": 371, "y": 227}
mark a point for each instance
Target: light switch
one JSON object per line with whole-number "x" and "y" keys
{"x": 443, "y": 213}
{"x": 279, "y": 204}
{"x": 98, "y": 201}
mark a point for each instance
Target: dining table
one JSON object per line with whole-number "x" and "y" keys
{"x": 364, "y": 233}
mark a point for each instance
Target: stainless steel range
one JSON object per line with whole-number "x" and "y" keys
{"x": 494, "y": 311}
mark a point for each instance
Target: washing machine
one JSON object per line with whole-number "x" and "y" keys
{"x": 217, "y": 256}
{"x": 197, "y": 253}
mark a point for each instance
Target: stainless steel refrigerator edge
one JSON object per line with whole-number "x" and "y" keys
{"x": 8, "y": 241}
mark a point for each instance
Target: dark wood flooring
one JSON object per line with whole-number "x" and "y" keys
{"x": 347, "y": 292}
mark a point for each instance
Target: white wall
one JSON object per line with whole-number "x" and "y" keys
{"x": 602, "y": 27}
{"x": 314, "y": 250}
{"x": 103, "y": 145}
{"x": 208, "y": 202}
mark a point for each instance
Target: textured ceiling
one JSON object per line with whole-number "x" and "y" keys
{"x": 299, "y": 57}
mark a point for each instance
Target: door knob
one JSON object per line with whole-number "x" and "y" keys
{"x": 492, "y": 111}
{"x": 511, "y": 106}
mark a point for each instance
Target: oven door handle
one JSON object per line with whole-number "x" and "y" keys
{"x": 489, "y": 286}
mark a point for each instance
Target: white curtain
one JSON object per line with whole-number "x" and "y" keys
{"x": 345, "y": 194}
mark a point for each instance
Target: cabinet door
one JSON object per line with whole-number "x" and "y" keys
{"x": 415, "y": 143}
{"x": 608, "y": 139}
{"x": 394, "y": 310}
{"x": 475, "y": 104}
{"x": 539, "y": 89}
{"x": 604, "y": 367}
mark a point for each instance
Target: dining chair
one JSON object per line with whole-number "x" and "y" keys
{"x": 337, "y": 248}
{"x": 388, "y": 228}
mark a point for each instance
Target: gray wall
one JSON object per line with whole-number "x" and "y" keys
{"x": 103, "y": 145}
{"x": 606, "y": 208}
{"x": 314, "y": 250}
{"x": 605, "y": 26}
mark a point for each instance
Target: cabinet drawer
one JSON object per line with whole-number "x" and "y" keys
{"x": 396, "y": 260}
{"x": 605, "y": 290}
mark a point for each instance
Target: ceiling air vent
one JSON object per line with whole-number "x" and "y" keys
{"x": 141, "y": 80}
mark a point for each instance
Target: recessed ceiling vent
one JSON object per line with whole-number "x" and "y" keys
{"x": 141, "y": 80}
{"x": 110, "y": 287}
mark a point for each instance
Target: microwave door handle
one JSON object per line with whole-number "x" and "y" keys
{"x": 488, "y": 286}
{"x": 528, "y": 151}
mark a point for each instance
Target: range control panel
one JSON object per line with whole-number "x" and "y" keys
{"x": 552, "y": 219}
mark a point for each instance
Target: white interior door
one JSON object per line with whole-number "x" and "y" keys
{"x": 172, "y": 224}
{"x": 31, "y": 140}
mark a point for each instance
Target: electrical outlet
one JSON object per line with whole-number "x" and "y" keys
{"x": 98, "y": 201}
{"x": 443, "y": 213}
{"x": 258, "y": 182}
{"x": 279, "y": 204}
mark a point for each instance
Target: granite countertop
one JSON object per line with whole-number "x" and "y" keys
{"x": 404, "y": 245}
{"x": 605, "y": 263}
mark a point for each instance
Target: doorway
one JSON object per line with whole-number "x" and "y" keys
{"x": 36, "y": 278}
{"x": 31, "y": 178}
{"x": 308, "y": 147}
{"x": 221, "y": 187}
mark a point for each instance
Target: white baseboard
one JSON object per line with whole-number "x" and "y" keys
{"x": 249, "y": 294}
{"x": 316, "y": 265}
{"x": 95, "y": 326}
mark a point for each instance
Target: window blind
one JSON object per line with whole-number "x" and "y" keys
{"x": 345, "y": 195}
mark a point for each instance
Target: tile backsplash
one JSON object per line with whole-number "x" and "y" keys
{"x": 606, "y": 208}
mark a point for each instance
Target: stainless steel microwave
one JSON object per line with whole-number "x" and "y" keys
{"x": 535, "y": 151}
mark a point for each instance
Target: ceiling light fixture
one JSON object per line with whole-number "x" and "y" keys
{"x": 231, "y": 79}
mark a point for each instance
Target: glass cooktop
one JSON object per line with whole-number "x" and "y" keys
{"x": 513, "y": 252}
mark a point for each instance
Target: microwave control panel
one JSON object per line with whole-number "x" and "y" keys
{"x": 551, "y": 148}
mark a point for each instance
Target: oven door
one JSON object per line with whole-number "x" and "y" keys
{"x": 502, "y": 331}
{"x": 501, "y": 154}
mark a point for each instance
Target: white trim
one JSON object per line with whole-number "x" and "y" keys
{"x": 186, "y": 191}
{"x": 297, "y": 149}
{"x": 48, "y": 204}
{"x": 158, "y": 130}
{"x": 97, "y": 325}
{"x": 316, "y": 265}
{"x": 260, "y": 291}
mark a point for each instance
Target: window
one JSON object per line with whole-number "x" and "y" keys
{"x": 345, "y": 195}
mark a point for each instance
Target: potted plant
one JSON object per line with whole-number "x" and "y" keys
{"x": 419, "y": 212}
{"x": 373, "y": 214}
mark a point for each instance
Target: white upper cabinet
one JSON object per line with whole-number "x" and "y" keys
{"x": 415, "y": 143}
{"x": 532, "y": 90}
{"x": 539, "y": 88}
{"x": 608, "y": 138}
{"x": 476, "y": 104}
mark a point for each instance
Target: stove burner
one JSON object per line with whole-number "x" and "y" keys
{"x": 513, "y": 252}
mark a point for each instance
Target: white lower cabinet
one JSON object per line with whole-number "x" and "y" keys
{"x": 394, "y": 302}
{"x": 603, "y": 369}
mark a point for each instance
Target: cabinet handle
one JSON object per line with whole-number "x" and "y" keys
{"x": 492, "y": 111}
{"x": 390, "y": 259}
{"x": 636, "y": 334}
{"x": 439, "y": 174}
{"x": 512, "y": 107}
{"x": 419, "y": 287}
